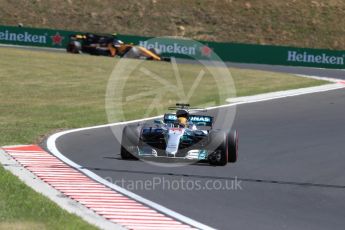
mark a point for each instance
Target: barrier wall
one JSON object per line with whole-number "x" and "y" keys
{"x": 184, "y": 48}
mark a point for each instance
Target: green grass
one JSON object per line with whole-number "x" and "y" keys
{"x": 41, "y": 91}
{"x": 24, "y": 209}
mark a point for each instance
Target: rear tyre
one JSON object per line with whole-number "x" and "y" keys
{"x": 129, "y": 143}
{"x": 167, "y": 59}
{"x": 232, "y": 146}
{"x": 218, "y": 146}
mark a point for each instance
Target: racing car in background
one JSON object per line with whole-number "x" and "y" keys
{"x": 110, "y": 45}
{"x": 182, "y": 136}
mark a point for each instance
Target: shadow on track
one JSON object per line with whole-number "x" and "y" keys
{"x": 253, "y": 180}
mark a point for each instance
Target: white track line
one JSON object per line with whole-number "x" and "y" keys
{"x": 286, "y": 93}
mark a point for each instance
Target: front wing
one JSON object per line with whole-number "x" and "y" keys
{"x": 192, "y": 154}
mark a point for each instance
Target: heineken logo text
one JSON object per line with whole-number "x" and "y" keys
{"x": 22, "y": 37}
{"x": 170, "y": 48}
{"x": 294, "y": 56}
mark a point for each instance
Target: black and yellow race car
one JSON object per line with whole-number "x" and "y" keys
{"x": 110, "y": 45}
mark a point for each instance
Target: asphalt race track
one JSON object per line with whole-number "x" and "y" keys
{"x": 291, "y": 170}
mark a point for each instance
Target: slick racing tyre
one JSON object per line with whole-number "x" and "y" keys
{"x": 218, "y": 146}
{"x": 74, "y": 47}
{"x": 129, "y": 143}
{"x": 232, "y": 143}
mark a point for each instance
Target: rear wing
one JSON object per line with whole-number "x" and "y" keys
{"x": 198, "y": 120}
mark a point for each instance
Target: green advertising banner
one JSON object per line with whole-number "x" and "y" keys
{"x": 185, "y": 48}
{"x": 243, "y": 53}
{"x": 34, "y": 37}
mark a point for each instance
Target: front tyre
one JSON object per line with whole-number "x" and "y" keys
{"x": 218, "y": 146}
{"x": 74, "y": 47}
{"x": 129, "y": 143}
{"x": 232, "y": 143}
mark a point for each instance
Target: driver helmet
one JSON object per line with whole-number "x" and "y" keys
{"x": 118, "y": 43}
{"x": 182, "y": 116}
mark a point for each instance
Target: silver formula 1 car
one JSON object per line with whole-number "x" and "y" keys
{"x": 180, "y": 136}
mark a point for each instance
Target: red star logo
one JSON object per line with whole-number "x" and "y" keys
{"x": 57, "y": 39}
{"x": 206, "y": 51}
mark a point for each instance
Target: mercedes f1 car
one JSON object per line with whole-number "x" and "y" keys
{"x": 110, "y": 45}
{"x": 180, "y": 136}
